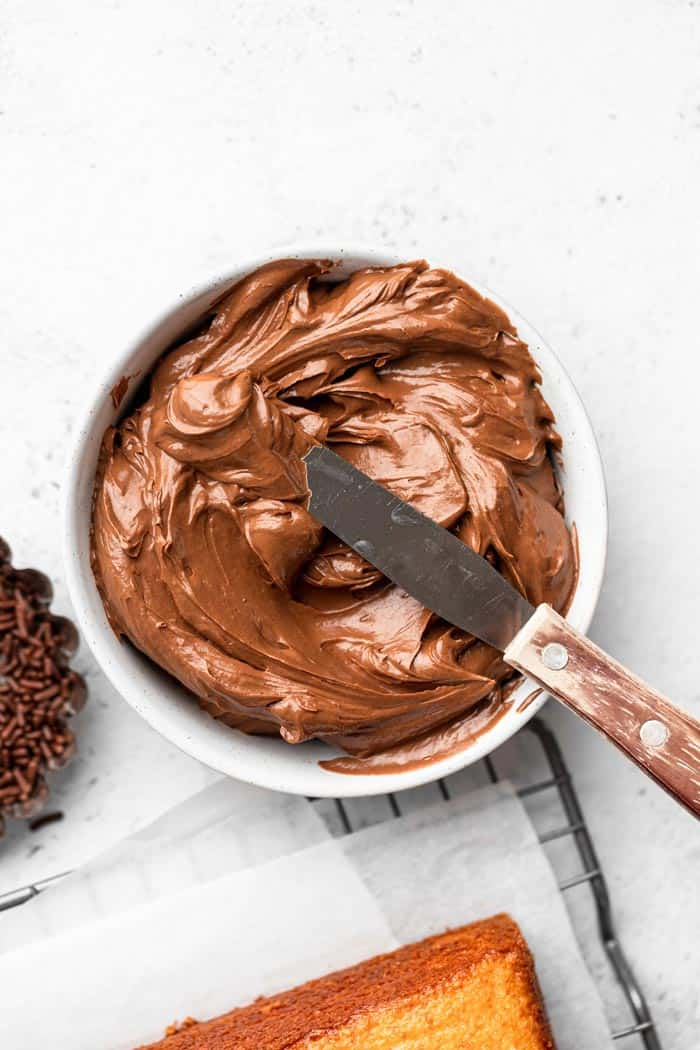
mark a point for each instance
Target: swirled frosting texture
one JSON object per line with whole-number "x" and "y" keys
{"x": 204, "y": 551}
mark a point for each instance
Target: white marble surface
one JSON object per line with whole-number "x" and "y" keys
{"x": 553, "y": 148}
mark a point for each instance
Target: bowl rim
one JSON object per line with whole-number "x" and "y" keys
{"x": 270, "y": 774}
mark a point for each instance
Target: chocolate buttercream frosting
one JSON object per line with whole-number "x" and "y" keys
{"x": 208, "y": 560}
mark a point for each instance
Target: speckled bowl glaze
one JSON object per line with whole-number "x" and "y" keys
{"x": 159, "y": 698}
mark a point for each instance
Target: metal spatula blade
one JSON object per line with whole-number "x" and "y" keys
{"x": 420, "y": 556}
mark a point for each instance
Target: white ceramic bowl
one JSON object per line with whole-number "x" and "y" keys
{"x": 160, "y": 699}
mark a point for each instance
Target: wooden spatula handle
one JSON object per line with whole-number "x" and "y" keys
{"x": 662, "y": 739}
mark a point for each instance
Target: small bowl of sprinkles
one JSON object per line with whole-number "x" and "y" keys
{"x": 39, "y": 690}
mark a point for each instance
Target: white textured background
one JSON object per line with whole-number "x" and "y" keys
{"x": 553, "y": 148}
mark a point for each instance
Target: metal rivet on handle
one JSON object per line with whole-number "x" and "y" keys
{"x": 653, "y": 733}
{"x": 555, "y": 656}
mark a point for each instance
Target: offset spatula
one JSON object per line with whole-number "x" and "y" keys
{"x": 455, "y": 582}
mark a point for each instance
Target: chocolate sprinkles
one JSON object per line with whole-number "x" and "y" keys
{"x": 38, "y": 689}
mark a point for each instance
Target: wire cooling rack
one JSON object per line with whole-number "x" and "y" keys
{"x": 639, "y": 1030}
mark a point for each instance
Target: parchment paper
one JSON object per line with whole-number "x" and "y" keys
{"x": 448, "y": 864}
{"x": 120, "y": 981}
{"x": 112, "y": 983}
{"x": 225, "y": 828}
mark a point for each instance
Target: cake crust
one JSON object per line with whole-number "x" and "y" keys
{"x": 474, "y": 988}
